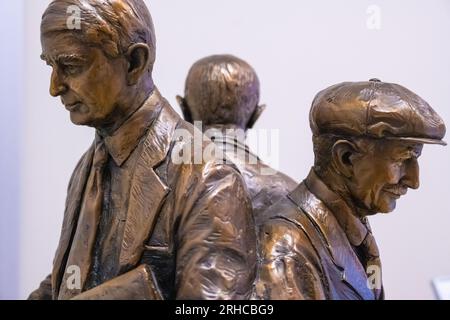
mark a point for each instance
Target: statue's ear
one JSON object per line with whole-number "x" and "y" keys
{"x": 139, "y": 57}
{"x": 185, "y": 109}
{"x": 255, "y": 116}
{"x": 343, "y": 155}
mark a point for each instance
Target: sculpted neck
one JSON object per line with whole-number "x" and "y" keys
{"x": 125, "y": 109}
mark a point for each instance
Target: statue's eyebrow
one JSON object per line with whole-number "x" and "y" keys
{"x": 65, "y": 58}
{"x": 70, "y": 58}
{"x": 410, "y": 153}
{"x": 405, "y": 154}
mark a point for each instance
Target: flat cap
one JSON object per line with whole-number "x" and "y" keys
{"x": 375, "y": 109}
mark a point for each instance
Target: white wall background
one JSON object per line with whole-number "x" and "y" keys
{"x": 297, "y": 48}
{"x": 11, "y": 88}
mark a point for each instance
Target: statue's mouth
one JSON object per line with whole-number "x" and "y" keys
{"x": 73, "y": 107}
{"x": 396, "y": 191}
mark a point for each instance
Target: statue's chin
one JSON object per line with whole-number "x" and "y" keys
{"x": 388, "y": 208}
{"x": 79, "y": 121}
{"x": 383, "y": 208}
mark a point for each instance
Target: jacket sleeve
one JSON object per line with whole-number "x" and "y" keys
{"x": 215, "y": 235}
{"x": 289, "y": 267}
{"x": 44, "y": 292}
{"x": 137, "y": 284}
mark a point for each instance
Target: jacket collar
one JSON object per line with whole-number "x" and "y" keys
{"x": 232, "y": 139}
{"x": 148, "y": 191}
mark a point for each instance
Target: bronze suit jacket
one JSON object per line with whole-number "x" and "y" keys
{"x": 265, "y": 185}
{"x": 305, "y": 253}
{"x": 188, "y": 234}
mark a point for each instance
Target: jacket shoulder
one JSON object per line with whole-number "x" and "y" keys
{"x": 289, "y": 266}
{"x": 282, "y": 236}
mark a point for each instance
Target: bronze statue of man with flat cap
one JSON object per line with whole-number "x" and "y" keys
{"x": 137, "y": 225}
{"x": 317, "y": 243}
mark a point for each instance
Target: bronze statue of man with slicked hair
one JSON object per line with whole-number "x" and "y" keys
{"x": 222, "y": 92}
{"x": 137, "y": 225}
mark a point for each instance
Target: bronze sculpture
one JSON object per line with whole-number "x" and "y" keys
{"x": 137, "y": 225}
{"x": 317, "y": 243}
{"x": 222, "y": 93}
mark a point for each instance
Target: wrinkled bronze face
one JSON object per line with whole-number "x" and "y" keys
{"x": 383, "y": 173}
{"x": 89, "y": 83}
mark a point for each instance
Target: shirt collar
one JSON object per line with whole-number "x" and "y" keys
{"x": 126, "y": 138}
{"x": 355, "y": 228}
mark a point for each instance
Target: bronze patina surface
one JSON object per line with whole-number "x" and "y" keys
{"x": 317, "y": 243}
{"x": 222, "y": 94}
{"x": 137, "y": 224}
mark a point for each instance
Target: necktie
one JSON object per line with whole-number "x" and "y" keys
{"x": 79, "y": 260}
{"x": 371, "y": 257}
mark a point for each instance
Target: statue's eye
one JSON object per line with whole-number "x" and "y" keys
{"x": 399, "y": 161}
{"x": 71, "y": 69}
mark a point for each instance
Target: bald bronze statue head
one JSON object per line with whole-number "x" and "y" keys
{"x": 367, "y": 138}
{"x": 102, "y": 66}
{"x": 222, "y": 90}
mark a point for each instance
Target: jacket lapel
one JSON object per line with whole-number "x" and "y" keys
{"x": 334, "y": 239}
{"x": 147, "y": 191}
{"x": 73, "y": 202}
